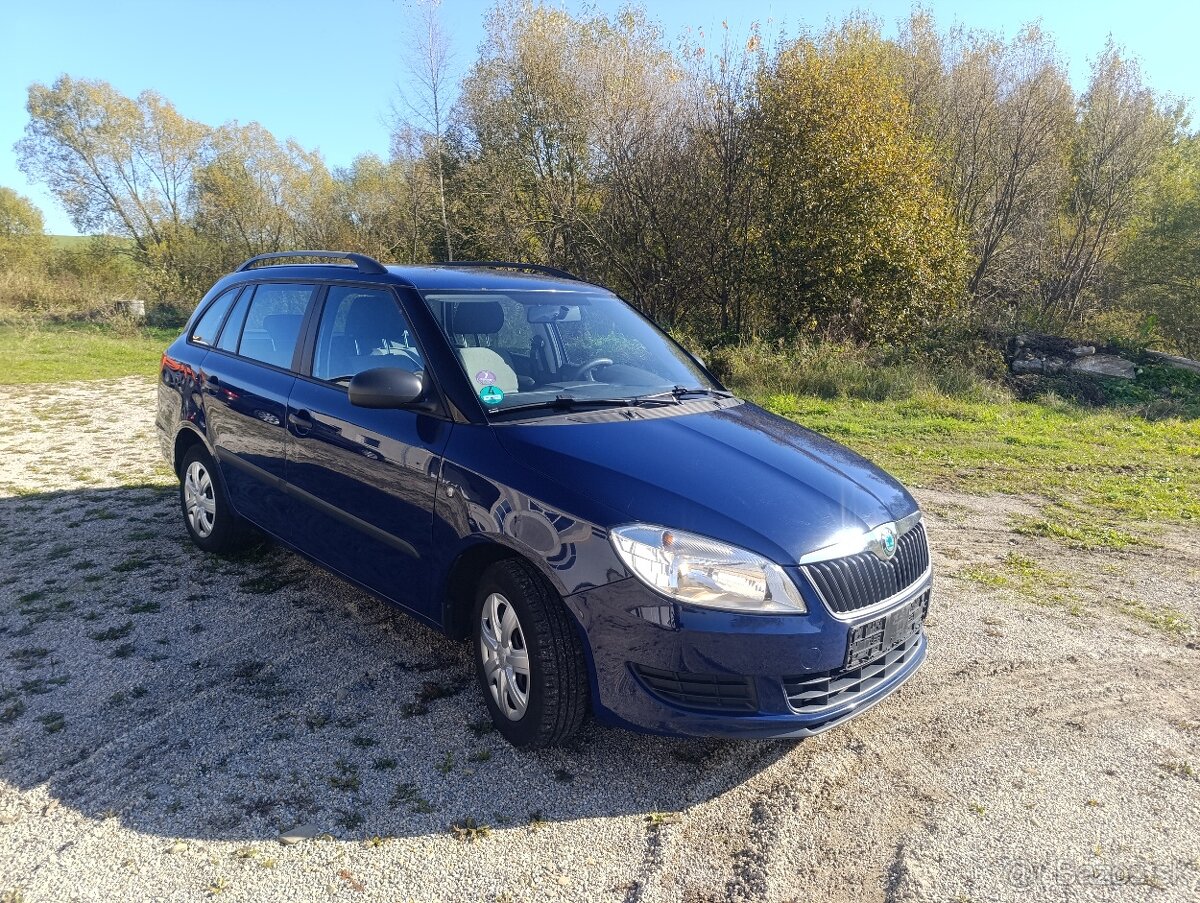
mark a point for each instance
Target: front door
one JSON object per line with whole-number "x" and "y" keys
{"x": 367, "y": 478}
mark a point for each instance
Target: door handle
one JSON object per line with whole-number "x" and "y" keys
{"x": 300, "y": 420}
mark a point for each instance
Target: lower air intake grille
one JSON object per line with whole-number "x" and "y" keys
{"x": 859, "y": 581}
{"x": 815, "y": 692}
{"x": 699, "y": 691}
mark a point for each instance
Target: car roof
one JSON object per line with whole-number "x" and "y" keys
{"x": 425, "y": 277}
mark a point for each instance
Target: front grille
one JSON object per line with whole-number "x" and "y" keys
{"x": 858, "y": 581}
{"x": 699, "y": 691}
{"x": 816, "y": 692}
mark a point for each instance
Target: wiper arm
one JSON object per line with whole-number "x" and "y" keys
{"x": 566, "y": 402}
{"x": 677, "y": 392}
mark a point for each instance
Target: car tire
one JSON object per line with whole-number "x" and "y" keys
{"x": 210, "y": 520}
{"x": 528, "y": 657}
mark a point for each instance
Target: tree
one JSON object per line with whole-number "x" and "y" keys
{"x": 242, "y": 197}
{"x": 531, "y": 117}
{"x": 407, "y": 163}
{"x": 429, "y": 62}
{"x": 1159, "y": 266}
{"x": 678, "y": 184}
{"x": 569, "y": 127}
{"x": 119, "y": 166}
{"x": 1122, "y": 130}
{"x": 857, "y": 242}
{"x": 257, "y": 195}
{"x": 22, "y": 230}
{"x": 374, "y": 218}
{"x": 1000, "y": 116}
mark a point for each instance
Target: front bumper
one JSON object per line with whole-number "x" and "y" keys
{"x": 665, "y": 668}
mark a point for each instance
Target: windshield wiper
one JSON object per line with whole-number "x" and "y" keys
{"x": 566, "y": 402}
{"x": 677, "y": 392}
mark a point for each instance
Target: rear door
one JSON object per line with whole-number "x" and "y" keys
{"x": 246, "y": 380}
{"x": 366, "y": 478}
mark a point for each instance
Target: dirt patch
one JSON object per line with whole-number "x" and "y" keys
{"x": 165, "y": 715}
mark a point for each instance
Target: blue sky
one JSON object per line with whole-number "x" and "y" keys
{"x": 326, "y": 73}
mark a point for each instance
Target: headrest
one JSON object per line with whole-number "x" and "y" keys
{"x": 472, "y": 317}
{"x": 369, "y": 315}
{"x": 282, "y": 324}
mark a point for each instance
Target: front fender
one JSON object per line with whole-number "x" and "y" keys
{"x": 573, "y": 553}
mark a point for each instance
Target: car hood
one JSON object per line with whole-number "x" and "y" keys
{"x": 738, "y": 474}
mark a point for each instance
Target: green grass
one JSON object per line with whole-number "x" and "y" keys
{"x": 58, "y": 353}
{"x": 1106, "y": 471}
{"x": 1020, "y": 573}
{"x": 1076, "y": 529}
{"x": 1165, "y": 619}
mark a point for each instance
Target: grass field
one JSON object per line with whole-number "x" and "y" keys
{"x": 81, "y": 242}
{"x": 1108, "y": 463}
{"x": 65, "y": 242}
{"x": 48, "y": 353}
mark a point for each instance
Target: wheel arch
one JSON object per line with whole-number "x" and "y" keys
{"x": 185, "y": 440}
{"x": 464, "y": 573}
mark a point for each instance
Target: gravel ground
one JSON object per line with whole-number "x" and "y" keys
{"x": 165, "y": 715}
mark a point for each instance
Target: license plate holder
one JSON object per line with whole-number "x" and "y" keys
{"x": 875, "y": 638}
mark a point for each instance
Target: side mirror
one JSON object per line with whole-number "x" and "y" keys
{"x": 386, "y": 387}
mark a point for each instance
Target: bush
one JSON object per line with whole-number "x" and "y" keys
{"x": 36, "y": 293}
{"x": 167, "y": 314}
{"x": 846, "y": 371}
{"x": 79, "y": 280}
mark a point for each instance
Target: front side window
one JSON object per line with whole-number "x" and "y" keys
{"x": 273, "y": 322}
{"x": 361, "y": 329}
{"x": 533, "y": 346}
{"x": 209, "y": 324}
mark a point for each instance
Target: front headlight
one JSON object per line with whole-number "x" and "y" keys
{"x": 702, "y": 571}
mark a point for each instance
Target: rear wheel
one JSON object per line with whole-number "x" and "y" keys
{"x": 207, "y": 514}
{"x": 528, "y": 657}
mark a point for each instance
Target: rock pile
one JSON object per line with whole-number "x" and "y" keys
{"x": 1052, "y": 355}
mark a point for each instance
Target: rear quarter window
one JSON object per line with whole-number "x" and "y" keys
{"x": 209, "y": 325}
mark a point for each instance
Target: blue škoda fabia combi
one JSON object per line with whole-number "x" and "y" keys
{"x": 518, "y": 457}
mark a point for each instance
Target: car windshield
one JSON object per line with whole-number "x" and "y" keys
{"x": 523, "y": 348}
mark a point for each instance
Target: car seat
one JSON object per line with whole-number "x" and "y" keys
{"x": 477, "y": 318}
{"x": 373, "y": 329}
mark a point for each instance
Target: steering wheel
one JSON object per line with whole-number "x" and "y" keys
{"x": 586, "y": 369}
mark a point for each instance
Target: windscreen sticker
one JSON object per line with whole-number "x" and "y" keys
{"x": 491, "y": 395}
{"x": 485, "y": 377}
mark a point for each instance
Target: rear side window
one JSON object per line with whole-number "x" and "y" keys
{"x": 273, "y": 322}
{"x": 209, "y": 324}
{"x": 361, "y": 329}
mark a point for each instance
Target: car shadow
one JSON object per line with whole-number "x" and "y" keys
{"x": 191, "y": 696}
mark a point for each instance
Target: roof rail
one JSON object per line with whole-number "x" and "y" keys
{"x": 509, "y": 265}
{"x": 364, "y": 263}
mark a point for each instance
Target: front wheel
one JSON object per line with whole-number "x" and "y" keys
{"x": 528, "y": 656}
{"x": 210, "y": 520}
